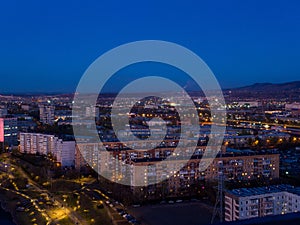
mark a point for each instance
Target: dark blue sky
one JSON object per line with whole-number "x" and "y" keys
{"x": 47, "y": 45}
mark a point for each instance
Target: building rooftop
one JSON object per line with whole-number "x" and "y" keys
{"x": 246, "y": 192}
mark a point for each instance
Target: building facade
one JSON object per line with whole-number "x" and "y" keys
{"x": 236, "y": 167}
{"x": 47, "y": 114}
{"x": 294, "y": 108}
{"x": 9, "y": 131}
{"x": 45, "y": 144}
{"x": 240, "y": 168}
{"x": 248, "y": 203}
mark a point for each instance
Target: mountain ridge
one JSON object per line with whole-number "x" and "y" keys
{"x": 266, "y": 86}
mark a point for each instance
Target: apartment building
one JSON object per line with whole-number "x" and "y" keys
{"x": 47, "y": 114}
{"x": 44, "y": 144}
{"x": 104, "y": 164}
{"x": 294, "y": 108}
{"x": 65, "y": 153}
{"x": 235, "y": 167}
{"x": 9, "y": 131}
{"x": 242, "y": 166}
{"x": 36, "y": 143}
{"x": 247, "y": 203}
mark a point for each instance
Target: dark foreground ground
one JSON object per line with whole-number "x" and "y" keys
{"x": 185, "y": 213}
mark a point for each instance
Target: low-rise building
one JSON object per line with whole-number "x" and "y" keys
{"x": 247, "y": 203}
{"x": 294, "y": 108}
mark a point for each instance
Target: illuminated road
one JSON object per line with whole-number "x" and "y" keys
{"x": 65, "y": 210}
{"x": 265, "y": 123}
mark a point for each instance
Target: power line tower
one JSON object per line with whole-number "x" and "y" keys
{"x": 218, "y": 209}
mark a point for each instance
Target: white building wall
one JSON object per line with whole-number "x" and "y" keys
{"x": 33, "y": 143}
{"x": 239, "y": 208}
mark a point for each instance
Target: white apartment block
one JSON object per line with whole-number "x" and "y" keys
{"x": 33, "y": 143}
{"x": 248, "y": 203}
{"x": 44, "y": 144}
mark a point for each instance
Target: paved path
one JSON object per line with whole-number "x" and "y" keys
{"x": 73, "y": 216}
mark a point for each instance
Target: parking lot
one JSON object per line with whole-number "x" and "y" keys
{"x": 187, "y": 212}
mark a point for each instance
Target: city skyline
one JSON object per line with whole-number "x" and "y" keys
{"x": 259, "y": 157}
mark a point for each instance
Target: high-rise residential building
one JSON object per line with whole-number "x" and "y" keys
{"x": 240, "y": 167}
{"x": 247, "y": 203}
{"x": 47, "y": 114}
{"x": 89, "y": 154}
{"x": 65, "y": 152}
{"x": 36, "y": 143}
{"x": 44, "y": 144}
{"x": 9, "y": 131}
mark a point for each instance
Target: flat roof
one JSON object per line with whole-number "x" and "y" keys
{"x": 246, "y": 192}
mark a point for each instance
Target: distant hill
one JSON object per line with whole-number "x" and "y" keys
{"x": 270, "y": 87}
{"x": 289, "y": 91}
